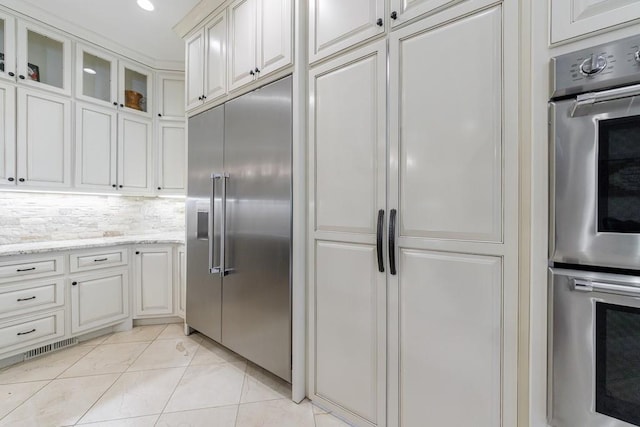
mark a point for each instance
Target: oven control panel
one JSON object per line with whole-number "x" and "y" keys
{"x": 600, "y": 67}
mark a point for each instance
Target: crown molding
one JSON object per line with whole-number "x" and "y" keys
{"x": 197, "y": 15}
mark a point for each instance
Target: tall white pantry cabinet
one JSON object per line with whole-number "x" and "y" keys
{"x": 413, "y": 146}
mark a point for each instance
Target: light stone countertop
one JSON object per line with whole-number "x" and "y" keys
{"x": 77, "y": 244}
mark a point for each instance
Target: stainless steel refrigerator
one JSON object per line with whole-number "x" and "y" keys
{"x": 239, "y": 226}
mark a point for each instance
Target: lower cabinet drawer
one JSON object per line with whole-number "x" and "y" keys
{"x": 28, "y": 297}
{"x": 31, "y": 330}
{"x": 30, "y": 268}
{"x": 98, "y": 259}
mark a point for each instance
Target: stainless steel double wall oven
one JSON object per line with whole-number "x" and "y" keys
{"x": 595, "y": 237}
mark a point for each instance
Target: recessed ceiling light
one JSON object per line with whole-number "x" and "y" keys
{"x": 89, "y": 70}
{"x": 146, "y": 5}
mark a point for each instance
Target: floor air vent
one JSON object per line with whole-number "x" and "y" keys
{"x": 50, "y": 348}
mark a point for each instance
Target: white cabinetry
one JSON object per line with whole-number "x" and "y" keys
{"x": 153, "y": 286}
{"x": 135, "y": 173}
{"x": 8, "y": 47}
{"x": 170, "y": 94}
{"x": 7, "y": 133}
{"x": 181, "y": 280}
{"x": 335, "y": 25}
{"x": 43, "y": 139}
{"x": 171, "y": 158}
{"x": 413, "y": 265}
{"x": 206, "y": 62}
{"x": 96, "y": 76}
{"x": 575, "y": 18}
{"x": 99, "y": 299}
{"x": 260, "y": 39}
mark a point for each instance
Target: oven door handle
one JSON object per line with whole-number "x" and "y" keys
{"x": 591, "y": 98}
{"x": 609, "y": 288}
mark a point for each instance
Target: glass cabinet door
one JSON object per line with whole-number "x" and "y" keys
{"x": 135, "y": 88}
{"x": 7, "y": 47}
{"x": 44, "y": 59}
{"x": 96, "y": 76}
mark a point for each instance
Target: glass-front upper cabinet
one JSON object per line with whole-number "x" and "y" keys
{"x": 7, "y": 47}
{"x": 96, "y": 76}
{"x": 134, "y": 88}
{"x": 44, "y": 59}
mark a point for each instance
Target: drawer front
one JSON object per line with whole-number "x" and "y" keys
{"x": 95, "y": 260}
{"x": 31, "y": 268}
{"x": 29, "y": 297}
{"x": 33, "y": 330}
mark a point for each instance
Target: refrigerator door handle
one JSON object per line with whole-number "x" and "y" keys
{"x": 223, "y": 227}
{"x": 212, "y": 268}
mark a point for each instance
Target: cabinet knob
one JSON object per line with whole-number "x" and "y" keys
{"x": 121, "y": 105}
{"x": 204, "y": 96}
{"x": 120, "y": 186}
{"x": 159, "y": 188}
{"x": 114, "y": 186}
{"x": 159, "y": 115}
{"x": 74, "y": 283}
{"x": 257, "y": 70}
{"x": 21, "y": 179}
{"x": 200, "y": 98}
{"x": 137, "y": 252}
{"x": 115, "y": 103}
{"x": 379, "y": 22}
{"x": 21, "y": 77}
{"x": 394, "y": 15}
{"x": 252, "y": 73}
{"x": 11, "y": 73}
{"x": 11, "y": 179}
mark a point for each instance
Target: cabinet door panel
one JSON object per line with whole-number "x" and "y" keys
{"x": 171, "y": 91}
{"x": 335, "y": 25}
{"x": 242, "y": 42}
{"x": 44, "y": 139}
{"x": 216, "y": 57}
{"x": 574, "y": 18}
{"x": 96, "y": 76}
{"x": 134, "y": 153}
{"x": 195, "y": 67}
{"x": 349, "y": 328}
{"x": 182, "y": 279}
{"x": 171, "y": 156}
{"x": 449, "y": 137}
{"x": 8, "y": 46}
{"x": 154, "y": 282}
{"x": 450, "y": 339}
{"x": 98, "y": 300}
{"x": 7, "y": 134}
{"x": 348, "y": 139}
{"x": 96, "y": 144}
{"x": 274, "y": 33}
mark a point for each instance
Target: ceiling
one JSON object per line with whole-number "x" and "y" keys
{"x": 122, "y": 22}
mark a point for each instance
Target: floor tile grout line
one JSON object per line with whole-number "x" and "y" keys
{"x": 244, "y": 380}
{"x": 112, "y": 384}
{"x": 27, "y": 399}
{"x": 176, "y": 386}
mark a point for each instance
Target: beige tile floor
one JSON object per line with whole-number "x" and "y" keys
{"x": 150, "y": 376}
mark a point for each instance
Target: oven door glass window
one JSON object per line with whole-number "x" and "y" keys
{"x": 619, "y": 175}
{"x": 618, "y": 362}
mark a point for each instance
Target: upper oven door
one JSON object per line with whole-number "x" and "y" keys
{"x": 595, "y": 184}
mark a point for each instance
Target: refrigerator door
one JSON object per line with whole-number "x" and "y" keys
{"x": 256, "y": 309}
{"x": 205, "y": 157}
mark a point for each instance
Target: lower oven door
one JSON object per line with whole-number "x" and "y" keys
{"x": 596, "y": 180}
{"x": 594, "y": 349}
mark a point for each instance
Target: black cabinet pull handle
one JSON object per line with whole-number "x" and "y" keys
{"x": 115, "y": 103}
{"x": 74, "y": 283}
{"x": 379, "y": 22}
{"x": 26, "y": 299}
{"x": 20, "y": 270}
{"x": 204, "y": 96}
{"x": 100, "y": 260}
{"x": 137, "y": 252}
{"x": 199, "y": 98}
{"x": 26, "y": 333}
{"x": 11, "y": 179}
{"x": 159, "y": 188}
{"x": 394, "y": 15}
{"x": 392, "y": 242}
{"x": 257, "y": 70}
{"x": 11, "y": 73}
{"x": 21, "y": 180}
{"x": 379, "y": 240}
{"x": 159, "y": 115}
{"x": 21, "y": 77}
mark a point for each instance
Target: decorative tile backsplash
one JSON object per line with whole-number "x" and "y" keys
{"x": 33, "y": 217}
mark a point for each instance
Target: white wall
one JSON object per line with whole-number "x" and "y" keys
{"x": 32, "y": 217}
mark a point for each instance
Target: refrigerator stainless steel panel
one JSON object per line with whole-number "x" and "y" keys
{"x": 256, "y": 314}
{"x": 204, "y": 290}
